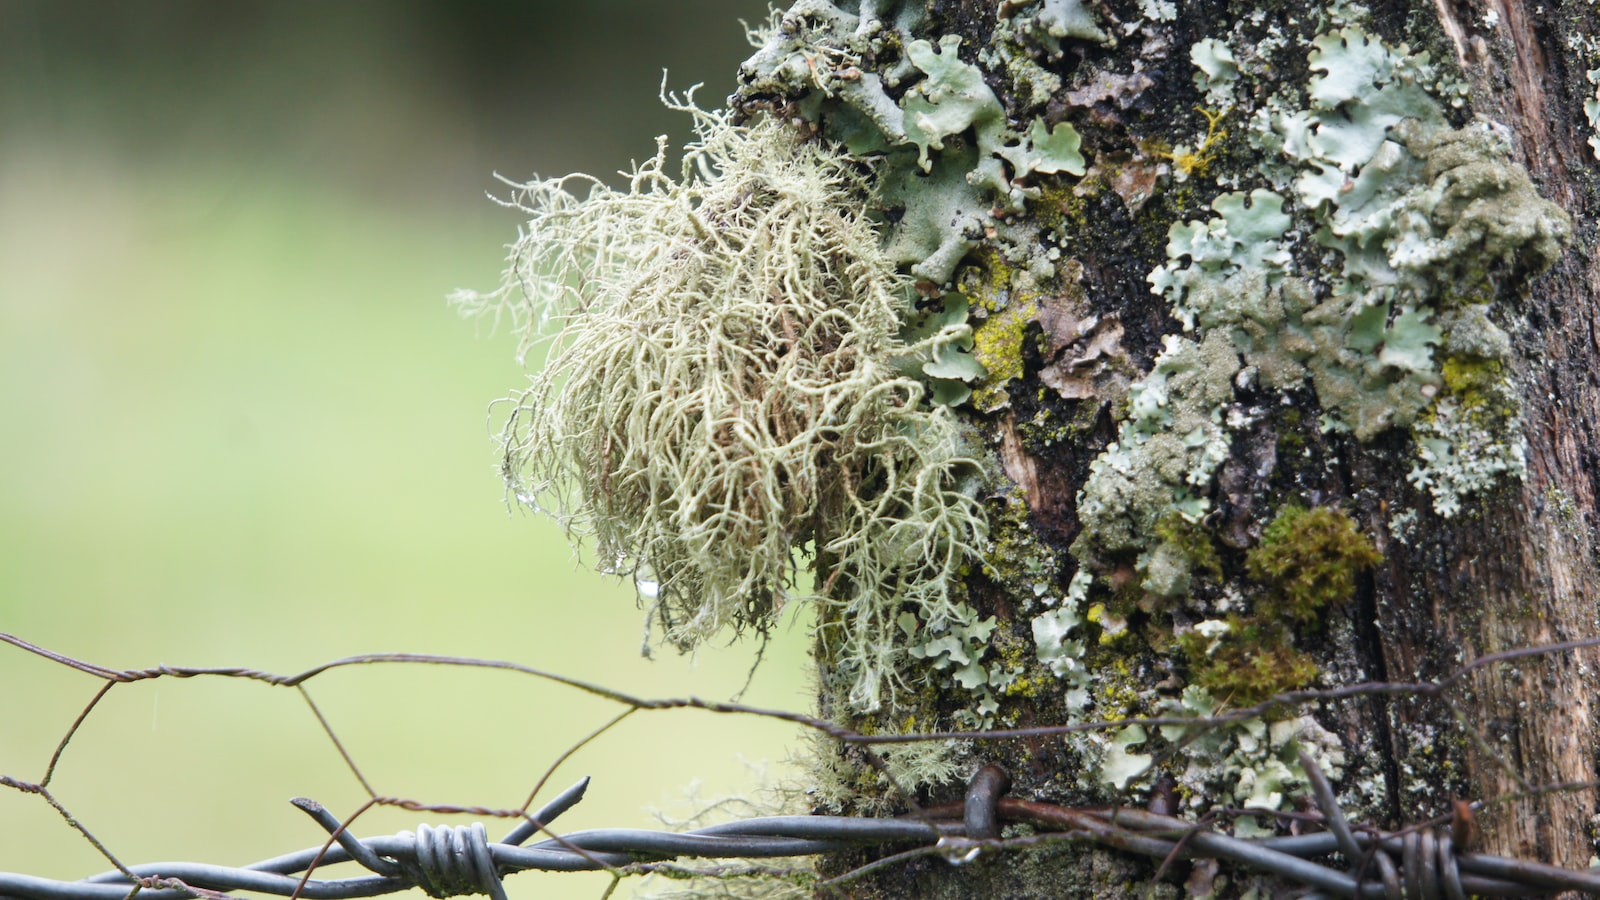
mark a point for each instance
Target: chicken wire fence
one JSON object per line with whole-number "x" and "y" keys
{"x": 1328, "y": 856}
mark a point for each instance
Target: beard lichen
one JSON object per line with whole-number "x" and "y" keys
{"x": 720, "y": 399}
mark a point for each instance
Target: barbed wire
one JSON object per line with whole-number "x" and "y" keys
{"x": 1430, "y": 860}
{"x": 446, "y": 862}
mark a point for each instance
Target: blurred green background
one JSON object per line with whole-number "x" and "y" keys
{"x": 239, "y": 425}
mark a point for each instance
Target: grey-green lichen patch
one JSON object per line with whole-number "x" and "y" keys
{"x": 1046, "y": 23}
{"x": 720, "y": 399}
{"x": 1163, "y": 459}
{"x": 1251, "y": 764}
{"x": 956, "y": 645}
{"x": 1475, "y": 220}
{"x": 1058, "y": 638}
{"x": 1431, "y": 221}
{"x": 950, "y": 204}
{"x": 939, "y": 347}
{"x": 1366, "y": 273}
{"x": 1422, "y": 224}
{"x": 1454, "y": 460}
{"x": 1159, "y": 10}
{"x": 1232, "y": 260}
{"x": 1032, "y": 85}
{"x": 1424, "y": 220}
{"x": 1119, "y": 763}
{"x": 950, "y": 163}
{"x": 1045, "y": 149}
{"x": 951, "y": 99}
{"x": 943, "y": 215}
{"x": 1218, "y": 70}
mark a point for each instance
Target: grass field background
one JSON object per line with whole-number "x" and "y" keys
{"x": 239, "y": 425}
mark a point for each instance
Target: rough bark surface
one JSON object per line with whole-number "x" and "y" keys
{"x": 1524, "y": 571}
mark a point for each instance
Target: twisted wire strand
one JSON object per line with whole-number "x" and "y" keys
{"x": 454, "y": 861}
{"x": 1343, "y": 861}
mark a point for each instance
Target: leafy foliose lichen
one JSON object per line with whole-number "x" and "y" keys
{"x": 1218, "y": 69}
{"x": 722, "y": 399}
{"x": 1253, "y": 764}
{"x": 939, "y": 349}
{"x": 1224, "y": 280}
{"x": 1162, "y": 462}
{"x": 1428, "y": 225}
{"x": 949, "y": 161}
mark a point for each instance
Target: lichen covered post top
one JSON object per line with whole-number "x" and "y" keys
{"x": 1361, "y": 247}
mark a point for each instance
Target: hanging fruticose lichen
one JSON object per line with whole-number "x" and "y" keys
{"x": 722, "y": 397}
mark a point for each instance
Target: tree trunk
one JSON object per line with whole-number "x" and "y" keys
{"x": 1187, "y": 483}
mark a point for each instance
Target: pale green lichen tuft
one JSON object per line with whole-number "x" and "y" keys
{"x": 777, "y": 878}
{"x": 837, "y": 780}
{"x": 721, "y": 399}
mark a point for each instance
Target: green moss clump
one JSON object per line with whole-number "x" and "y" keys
{"x": 1252, "y": 662}
{"x": 1193, "y": 540}
{"x": 1308, "y": 560}
{"x": 1291, "y": 442}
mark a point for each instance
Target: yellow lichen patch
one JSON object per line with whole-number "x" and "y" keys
{"x": 997, "y": 344}
{"x": 1474, "y": 382}
{"x": 1004, "y": 309}
{"x": 1119, "y": 692}
{"x": 1195, "y": 162}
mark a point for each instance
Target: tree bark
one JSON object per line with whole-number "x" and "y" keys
{"x": 1514, "y": 566}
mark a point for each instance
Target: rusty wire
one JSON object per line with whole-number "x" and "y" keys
{"x": 447, "y": 862}
{"x": 1427, "y": 861}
